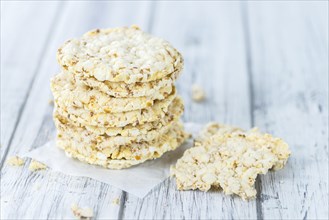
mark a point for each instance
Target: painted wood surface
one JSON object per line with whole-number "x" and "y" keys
{"x": 262, "y": 64}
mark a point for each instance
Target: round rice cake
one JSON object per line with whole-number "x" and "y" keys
{"x": 124, "y": 156}
{"x": 81, "y": 134}
{"x": 125, "y": 54}
{"x": 142, "y": 132}
{"x": 66, "y": 91}
{"x": 121, "y": 119}
{"x": 138, "y": 89}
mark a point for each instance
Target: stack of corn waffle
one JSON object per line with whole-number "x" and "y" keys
{"x": 115, "y": 100}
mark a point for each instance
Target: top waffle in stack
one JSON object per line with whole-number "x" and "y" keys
{"x": 115, "y": 100}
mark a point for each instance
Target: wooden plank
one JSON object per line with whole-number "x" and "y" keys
{"x": 210, "y": 36}
{"x": 21, "y": 58}
{"x": 289, "y": 67}
{"x": 47, "y": 194}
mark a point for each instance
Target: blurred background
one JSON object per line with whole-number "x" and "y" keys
{"x": 261, "y": 64}
{"x": 219, "y": 40}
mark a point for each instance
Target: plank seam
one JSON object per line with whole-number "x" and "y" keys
{"x": 36, "y": 73}
{"x": 122, "y": 204}
{"x": 100, "y": 199}
{"x": 246, "y": 26}
{"x": 246, "y": 32}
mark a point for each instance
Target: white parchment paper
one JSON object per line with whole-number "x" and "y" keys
{"x": 138, "y": 180}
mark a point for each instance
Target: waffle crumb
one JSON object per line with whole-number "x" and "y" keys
{"x": 116, "y": 201}
{"x": 15, "y": 161}
{"x": 82, "y": 213}
{"x": 50, "y": 101}
{"x": 198, "y": 94}
{"x": 35, "y": 165}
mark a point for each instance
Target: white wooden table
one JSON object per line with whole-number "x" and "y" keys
{"x": 262, "y": 64}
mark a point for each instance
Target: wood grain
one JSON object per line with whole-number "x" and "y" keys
{"x": 57, "y": 192}
{"x": 262, "y": 64}
{"x": 17, "y": 72}
{"x": 211, "y": 55}
{"x": 290, "y": 81}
